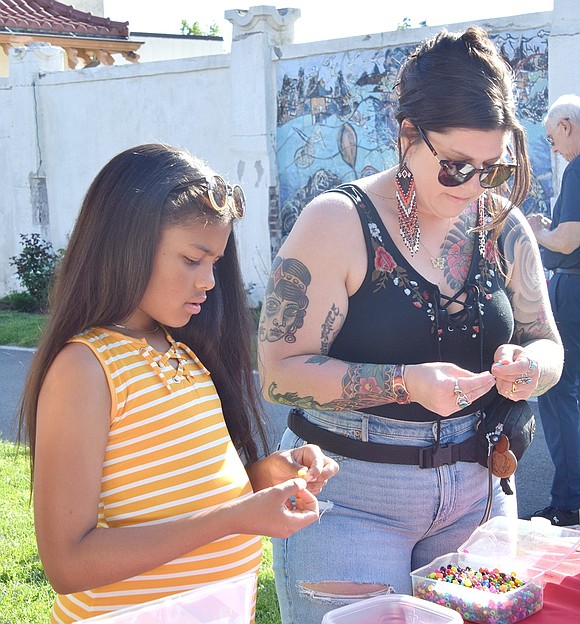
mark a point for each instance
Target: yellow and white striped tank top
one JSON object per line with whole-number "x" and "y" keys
{"x": 169, "y": 455}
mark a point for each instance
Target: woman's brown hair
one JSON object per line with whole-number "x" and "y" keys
{"x": 460, "y": 80}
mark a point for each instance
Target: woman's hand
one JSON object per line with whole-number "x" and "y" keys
{"x": 444, "y": 388}
{"x": 307, "y": 462}
{"x": 516, "y": 373}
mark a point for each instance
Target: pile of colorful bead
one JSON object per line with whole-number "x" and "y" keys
{"x": 480, "y": 594}
{"x": 485, "y": 579}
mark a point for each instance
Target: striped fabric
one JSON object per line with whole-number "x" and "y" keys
{"x": 169, "y": 455}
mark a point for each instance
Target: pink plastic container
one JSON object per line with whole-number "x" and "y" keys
{"x": 227, "y": 602}
{"x": 392, "y": 609}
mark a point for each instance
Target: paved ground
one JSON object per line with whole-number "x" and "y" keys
{"x": 534, "y": 475}
{"x": 13, "y": 367}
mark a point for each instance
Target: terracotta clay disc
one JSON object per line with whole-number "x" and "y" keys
{"x": 503, "y": 444}
{"x": 503, "y": 465}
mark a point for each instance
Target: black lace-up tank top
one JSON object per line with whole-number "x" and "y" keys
{"x": 398, "y": 317}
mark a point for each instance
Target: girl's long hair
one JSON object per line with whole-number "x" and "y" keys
{"x": 107, "y": 265}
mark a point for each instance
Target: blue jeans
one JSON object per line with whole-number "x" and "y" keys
{"x": 380, "y": 521}
{"x": 559, "y": 408}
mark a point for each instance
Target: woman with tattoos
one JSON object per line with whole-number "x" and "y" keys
{"x": 423, "y": 300}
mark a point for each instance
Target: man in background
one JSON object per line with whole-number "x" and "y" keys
{"x": 560, "y": 238}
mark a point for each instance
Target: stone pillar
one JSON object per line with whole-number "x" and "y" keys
{"x": 256, "y": 33}
{"x": 25, "y": 209}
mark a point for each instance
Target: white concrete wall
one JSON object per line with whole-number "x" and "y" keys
{"x": 65, "y": 125}
{"x": 92, "y": 115}
{"x": 564, "y": 52}
{"x": 168, "y": 47}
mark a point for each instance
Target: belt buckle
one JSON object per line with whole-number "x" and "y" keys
{"x": 429, "y": 458}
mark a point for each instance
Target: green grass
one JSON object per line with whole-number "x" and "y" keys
{"x": 20, "y": 329}
{"x": 25, "y": 594}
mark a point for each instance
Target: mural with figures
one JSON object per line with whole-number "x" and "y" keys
{"x": 336, "y": 118}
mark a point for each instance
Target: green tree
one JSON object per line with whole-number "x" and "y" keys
{"x": 196, "y": 29}
{"x": 404, "y": 24}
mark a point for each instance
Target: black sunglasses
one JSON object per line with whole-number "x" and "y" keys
{"x": 456, "y": 172}
{"x": 220, "y": 194}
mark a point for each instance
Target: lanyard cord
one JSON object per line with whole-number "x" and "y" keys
{"x": 480, "y": 423}
{"x": 478, "y": 304}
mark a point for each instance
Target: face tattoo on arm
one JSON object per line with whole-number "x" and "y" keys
{"x": 285, "y": 300}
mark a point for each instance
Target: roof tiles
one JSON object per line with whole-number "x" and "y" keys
{"x": 49, "y": 16}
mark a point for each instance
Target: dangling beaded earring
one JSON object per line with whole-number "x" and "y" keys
{"x": 407, "y": 208}
{"x": 481, "y": 222}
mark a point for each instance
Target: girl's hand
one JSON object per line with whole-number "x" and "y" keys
{"x": 278, "y": 511}
{"x": 307, "y": 462}
{"x": 310, "y": 463}
{"x": 516, "y": 373}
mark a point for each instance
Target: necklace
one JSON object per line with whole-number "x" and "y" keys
{"x": 438, "y": 262}
{"x": 143, "y": 331}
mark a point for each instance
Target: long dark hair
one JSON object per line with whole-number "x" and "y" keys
{"x": 107, "y": 266}
{"x": 460, "y": 80}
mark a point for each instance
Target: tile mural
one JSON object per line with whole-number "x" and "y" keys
{"x": 335, "y": 119}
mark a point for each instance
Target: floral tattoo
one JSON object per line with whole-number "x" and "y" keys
{"x": 363, "y": 385}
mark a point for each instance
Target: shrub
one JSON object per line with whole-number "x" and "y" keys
{"x": 20, "y": 301}
{"x": 35, "y": 266}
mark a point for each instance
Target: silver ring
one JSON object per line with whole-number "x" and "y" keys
{"x": 524, "y": 379}
{"x": 462, "y": 400}
{"x": 457, "y": 389}
{"x": 533, "y": 365}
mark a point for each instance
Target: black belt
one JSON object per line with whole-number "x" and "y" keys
{"x": 567, "y": 271}
{"x": 424, "y": 457}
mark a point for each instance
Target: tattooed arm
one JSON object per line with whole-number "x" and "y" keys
{"x": 305, "y": 305}
{"x": 535, "y": 330}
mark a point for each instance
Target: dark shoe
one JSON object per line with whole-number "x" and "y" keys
{"x": 558, "y": 517}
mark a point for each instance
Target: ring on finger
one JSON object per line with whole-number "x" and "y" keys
{"x": 457, "y": 389}
{"x": 523, "y": 379}
{"x": 462, "y": 400}
{"x": 533, "y": 365}
{"x": 514, "y": 387}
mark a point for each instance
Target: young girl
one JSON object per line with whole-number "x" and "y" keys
{"x": 139, "y": 489}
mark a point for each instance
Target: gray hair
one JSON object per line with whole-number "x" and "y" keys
{"x": 565, "y": 107}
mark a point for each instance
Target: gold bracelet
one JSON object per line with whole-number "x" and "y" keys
{"x": 402, "y": 395}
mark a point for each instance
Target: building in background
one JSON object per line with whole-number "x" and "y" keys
{"x": 284, "y": 120}
{"x": 88, "y": 37}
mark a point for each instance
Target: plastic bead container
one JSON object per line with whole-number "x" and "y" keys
{"x": 523, "y": 547}
{"x": 394, "y": 609}
{"x": 476, "y": 605}
{"x": 226, "y": 602}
